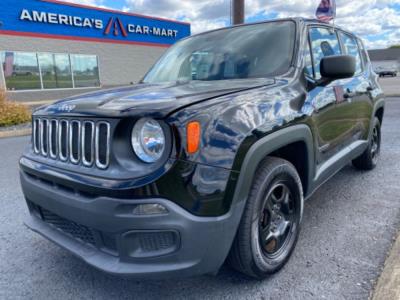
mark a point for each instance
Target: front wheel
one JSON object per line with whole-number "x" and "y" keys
{"x": 270, "y": 224}
{"x": 369, "y": 159}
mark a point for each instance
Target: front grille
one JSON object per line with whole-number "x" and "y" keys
{"x": 73, "y": 141}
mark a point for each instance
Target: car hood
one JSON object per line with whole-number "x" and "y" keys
{"x": 156, "y": 100}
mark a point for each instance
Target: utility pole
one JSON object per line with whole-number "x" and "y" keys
{"x": 238, "y": 11}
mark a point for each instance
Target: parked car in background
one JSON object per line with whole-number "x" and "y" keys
{"x": 382, "y": 72}
{"x": 210, "y": 157}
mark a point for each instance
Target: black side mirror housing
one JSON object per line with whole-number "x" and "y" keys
{"x": 338, "y": 66}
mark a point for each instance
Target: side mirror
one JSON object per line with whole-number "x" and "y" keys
{"x": 338, "y": 66}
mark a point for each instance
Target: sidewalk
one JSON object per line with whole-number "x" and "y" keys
{"x": 391, "y": 86}
{"x": 388, "y": 286}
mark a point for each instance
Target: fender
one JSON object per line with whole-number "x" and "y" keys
{"x": 257, "y": 152}
{"x": 266, "y": 145}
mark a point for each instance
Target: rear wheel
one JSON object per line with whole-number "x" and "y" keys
{"x": 369, "y": 159}
{"x": 270, "y": 225}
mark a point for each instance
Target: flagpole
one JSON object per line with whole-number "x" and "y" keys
{"x": 334, "y": 15}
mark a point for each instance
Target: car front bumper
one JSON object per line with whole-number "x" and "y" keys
{"x": 106, "y": 234}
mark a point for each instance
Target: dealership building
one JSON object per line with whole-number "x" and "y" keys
{"x": 52, "y": 49}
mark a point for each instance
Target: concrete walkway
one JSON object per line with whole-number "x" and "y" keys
{"x": 388, "y": 286}
{"x": 391, "y": 86}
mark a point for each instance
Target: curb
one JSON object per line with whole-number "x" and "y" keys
{"x": 15, "y": 133}
{"x": 388, "y": 286}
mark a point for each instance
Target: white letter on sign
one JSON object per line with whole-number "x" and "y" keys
{"x": 25, "y": 15}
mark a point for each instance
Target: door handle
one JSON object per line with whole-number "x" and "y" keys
{"x": 370, "y": 89}
{"x": 349, "y": 94}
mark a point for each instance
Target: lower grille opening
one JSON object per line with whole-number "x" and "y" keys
{"x": 78, "y": 231}
{"x": 103, "y": 241}
{"x": 143, "y": 244}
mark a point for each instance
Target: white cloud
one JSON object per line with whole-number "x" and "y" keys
{"x": 374, "y": 20}
{"x": 202, "y": 14}
{"x": 364, "y": 17}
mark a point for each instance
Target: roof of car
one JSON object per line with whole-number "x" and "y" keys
{"x": 294, "y": 19}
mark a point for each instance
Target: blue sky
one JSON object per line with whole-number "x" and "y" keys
{"x": 377, "y": 22}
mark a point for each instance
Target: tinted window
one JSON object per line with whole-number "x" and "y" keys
{"x": 351, "y": 47}
{"x": 364, "y": 54}
{"x": 324, "y": 42}
{"x": 29, "y": 70}
{"x": 63, "y": 70}
{"x": 86, "y": 70}
{"x": 21, "y": 70}
{"x": 250, "y": 51}
{"x": 56, "y": 70}
{"x": 308, "y": 67}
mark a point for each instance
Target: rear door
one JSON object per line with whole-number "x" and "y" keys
{"x": 357, "y": 105}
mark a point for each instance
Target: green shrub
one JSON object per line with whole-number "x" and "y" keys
{"x": 12, "y": 113}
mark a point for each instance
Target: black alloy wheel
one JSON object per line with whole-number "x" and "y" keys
{"x": 270, "y": 224}
{"x": 370, "y": 157}
{"x": 277, "y": 220}
{"x": 375, "y": 144}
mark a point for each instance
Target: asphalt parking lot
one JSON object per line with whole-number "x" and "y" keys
{"x": 348, "y": 229}
{"x": 390, "y": 85}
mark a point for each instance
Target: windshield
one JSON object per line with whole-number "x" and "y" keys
{"x": 252, "y": 51}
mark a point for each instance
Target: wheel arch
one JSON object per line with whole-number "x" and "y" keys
{"x": 270, "y": 145}
{"x": 379, "y": 113}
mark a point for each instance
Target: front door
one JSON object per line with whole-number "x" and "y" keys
{"x": 330, "y": 130}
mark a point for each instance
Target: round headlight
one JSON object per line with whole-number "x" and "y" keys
{"x": 148, "y": 140}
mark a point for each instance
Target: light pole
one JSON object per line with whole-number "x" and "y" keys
{"x": 238, "y": 11}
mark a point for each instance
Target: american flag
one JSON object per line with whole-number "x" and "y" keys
{"x": 326, "y": 10}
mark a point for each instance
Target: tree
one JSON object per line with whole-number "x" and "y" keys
{"x": 394, "y": 47}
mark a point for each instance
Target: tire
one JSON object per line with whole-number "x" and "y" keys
{"x": 270, "y": 225}
{"x": 369, "y": 159}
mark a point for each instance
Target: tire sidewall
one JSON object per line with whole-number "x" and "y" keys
{"x": 288, "y": 174}
{"x": 378, "y": 125}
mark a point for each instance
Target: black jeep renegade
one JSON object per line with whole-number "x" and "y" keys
{"x": 210, "y": 157}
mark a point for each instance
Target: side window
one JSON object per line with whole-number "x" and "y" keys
{"x": 364, "y": 54}
{"x": 351, "y": 47}
{"x": 308, "y": 67}
{"x": 324, "y": 42}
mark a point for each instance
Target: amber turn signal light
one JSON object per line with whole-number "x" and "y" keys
{"x": 193, "y": 137}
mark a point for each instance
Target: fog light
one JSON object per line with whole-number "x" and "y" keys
{"x": 150, "y": 209}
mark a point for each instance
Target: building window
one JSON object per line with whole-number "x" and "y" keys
{"x": 34, "y": 71}
{"x": 86, "y": 70}
{"x": 21, "y": 70}
{"x": 55, "y": 70}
